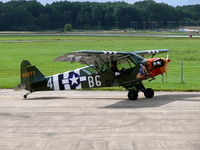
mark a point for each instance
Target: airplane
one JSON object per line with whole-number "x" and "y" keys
{"x": 104, "y": 69}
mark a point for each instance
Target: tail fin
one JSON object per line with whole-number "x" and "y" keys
{"x": 29, "y": 74}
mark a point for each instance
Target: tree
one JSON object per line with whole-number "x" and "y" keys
{"x": 32, "y": 15}
{"x": 67, "y": 27}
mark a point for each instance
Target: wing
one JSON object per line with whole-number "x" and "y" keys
{"x": 92, "y": 57}
{"x": 151, "y": 52}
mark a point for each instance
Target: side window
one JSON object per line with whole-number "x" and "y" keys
{"x": 89, "y": 70}
{"x": 125, "y": 64}
{"x": 104, "y": 67}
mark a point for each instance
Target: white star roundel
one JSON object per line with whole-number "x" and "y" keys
{"x": 72, "y": 80}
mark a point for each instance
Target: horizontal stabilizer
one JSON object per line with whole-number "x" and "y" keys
{"x": 20, "y": 87}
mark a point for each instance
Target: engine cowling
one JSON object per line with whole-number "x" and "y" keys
{"x": 157, "y": 66}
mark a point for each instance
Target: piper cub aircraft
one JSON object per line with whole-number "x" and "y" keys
{"x": 104, "y": 69}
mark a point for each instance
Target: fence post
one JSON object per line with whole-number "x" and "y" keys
{"x": 181, "y": 71}
{"x": 163, "y": 79}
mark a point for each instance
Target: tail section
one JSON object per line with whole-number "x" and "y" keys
{"x": 29, "y": 74}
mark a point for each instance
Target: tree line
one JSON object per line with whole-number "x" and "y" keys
{"x": 32, "y": 15}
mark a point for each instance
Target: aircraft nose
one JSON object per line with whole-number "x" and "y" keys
{"x": 158, "y": 66}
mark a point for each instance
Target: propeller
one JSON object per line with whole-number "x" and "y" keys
{"x": 166, "y": 64}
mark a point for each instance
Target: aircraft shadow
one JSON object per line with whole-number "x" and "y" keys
{"x": 125, "y": 103}
{"x": 72, "y": 98}
{"x": 45, "y": 98}
{"x": 154, "y": 102}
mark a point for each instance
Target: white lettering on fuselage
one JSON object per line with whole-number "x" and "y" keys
{"x": 94, "y": 81}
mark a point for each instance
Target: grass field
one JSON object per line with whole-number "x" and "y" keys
{"x": 41, "y": 50}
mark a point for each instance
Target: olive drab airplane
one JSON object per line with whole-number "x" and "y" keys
{"x": 104, "y": 69}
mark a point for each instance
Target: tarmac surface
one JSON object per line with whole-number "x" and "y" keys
{"x": 99, "y": 120}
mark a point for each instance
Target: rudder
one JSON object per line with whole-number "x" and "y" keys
{"x": 29, "y": 74}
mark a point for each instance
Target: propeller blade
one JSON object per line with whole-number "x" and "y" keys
{"x": 166, "y": 63}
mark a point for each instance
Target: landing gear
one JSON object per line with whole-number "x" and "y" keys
{"x": 149, "y": 93}
{"x": 25, "y": 96}
{"x": 133, "y": 94}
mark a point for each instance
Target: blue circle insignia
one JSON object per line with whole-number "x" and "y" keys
{"x": 74, "y": 80}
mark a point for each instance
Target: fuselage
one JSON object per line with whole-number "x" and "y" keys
{"x": 91, "y": 77}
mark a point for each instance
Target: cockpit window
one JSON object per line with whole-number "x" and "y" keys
{"x": 158, "y": 63}
{"x": 125, "y": 63}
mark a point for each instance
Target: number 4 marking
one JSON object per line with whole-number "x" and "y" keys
{"x": 50, "y": 83}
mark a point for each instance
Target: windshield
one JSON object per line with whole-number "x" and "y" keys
{"x": 125, "y": 63}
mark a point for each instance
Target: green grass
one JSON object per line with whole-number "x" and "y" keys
{"x": 43, "y": 49}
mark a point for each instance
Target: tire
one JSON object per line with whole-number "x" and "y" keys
{"x": 133, "y": 95}
{"x": 149, "y": 93}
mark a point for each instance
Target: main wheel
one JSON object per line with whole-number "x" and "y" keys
{"x": 148, "y": 93}
{"x": 133, "y": 95}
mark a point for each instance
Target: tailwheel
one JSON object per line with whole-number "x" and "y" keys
{"x": 133, "y": 95}
{"x": 25, "y": 95}
{"x": 149, "y": 93}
